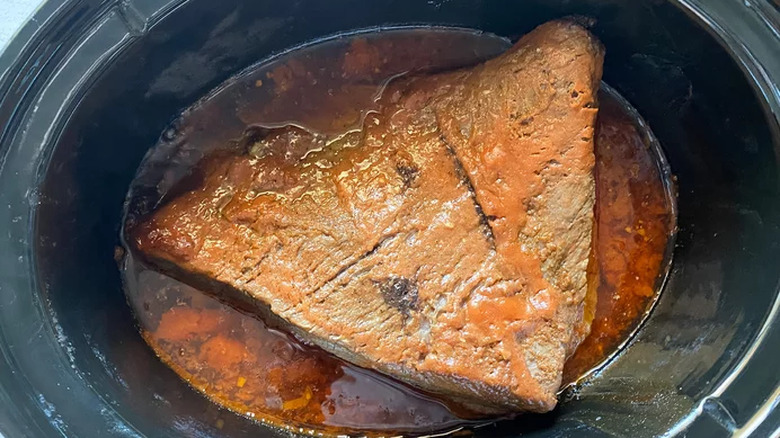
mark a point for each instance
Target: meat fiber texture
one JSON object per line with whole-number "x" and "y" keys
{"x": 446, "y": 243}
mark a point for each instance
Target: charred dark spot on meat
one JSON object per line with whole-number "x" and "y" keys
{"x": 400, "y": 293}
{"x": 408, "y": 173}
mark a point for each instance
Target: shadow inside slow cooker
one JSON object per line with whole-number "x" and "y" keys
{"x": 686, "y": 86}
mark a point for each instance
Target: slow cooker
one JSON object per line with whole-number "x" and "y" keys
{"x": 87, "y": 87}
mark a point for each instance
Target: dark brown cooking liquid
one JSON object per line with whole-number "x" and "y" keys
{"x": 240, "y": 363}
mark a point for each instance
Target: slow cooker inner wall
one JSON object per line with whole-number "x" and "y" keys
{"x": 686, "y": 86}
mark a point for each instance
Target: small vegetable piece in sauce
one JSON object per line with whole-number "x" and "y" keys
{"x": 298, "y": 403}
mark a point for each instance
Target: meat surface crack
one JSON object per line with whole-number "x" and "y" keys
{"x": 463, "y": 176}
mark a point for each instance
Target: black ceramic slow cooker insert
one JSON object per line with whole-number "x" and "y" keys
{"x": 88, "y": 86}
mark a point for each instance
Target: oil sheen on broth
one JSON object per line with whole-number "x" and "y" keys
{"x": 328, "y": 87}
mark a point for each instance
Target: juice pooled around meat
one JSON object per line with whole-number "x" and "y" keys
{"x": 239, "y": 362}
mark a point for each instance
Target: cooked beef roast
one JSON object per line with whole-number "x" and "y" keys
{"x": 446, "y": 243}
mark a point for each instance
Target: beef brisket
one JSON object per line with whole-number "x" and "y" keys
{"x": 446, "y": 243}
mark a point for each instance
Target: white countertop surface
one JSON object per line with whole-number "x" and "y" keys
{"x": 14, "y": 13}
